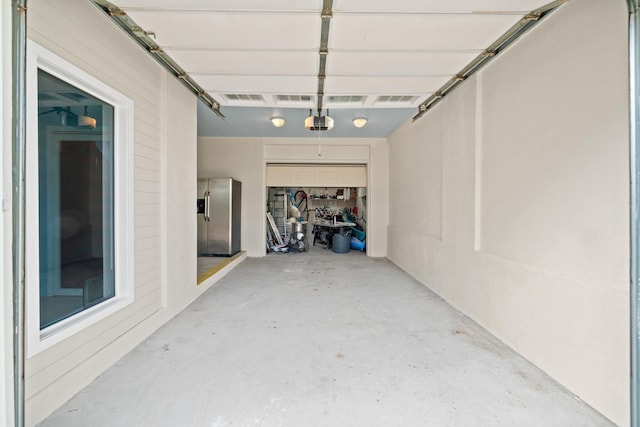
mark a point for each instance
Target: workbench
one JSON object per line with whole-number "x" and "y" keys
{"x": 324, "y": 230}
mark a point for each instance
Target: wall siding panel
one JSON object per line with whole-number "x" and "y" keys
{"x": 81, "y": 34}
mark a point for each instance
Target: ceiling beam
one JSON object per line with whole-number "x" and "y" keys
{"x": 145, "y": 40}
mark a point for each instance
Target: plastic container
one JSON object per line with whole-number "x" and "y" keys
{"x": 358, "y": 233}
{"x": 341, "y": 243}
{"x": 357, "y": 244}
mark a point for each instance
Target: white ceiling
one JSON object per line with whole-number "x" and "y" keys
{"x": 376, "y": 48}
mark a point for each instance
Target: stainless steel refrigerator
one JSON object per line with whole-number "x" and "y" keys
{"x": 219, "y": 216}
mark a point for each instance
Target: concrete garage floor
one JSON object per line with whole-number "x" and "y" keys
{"x": 322, "y": 339}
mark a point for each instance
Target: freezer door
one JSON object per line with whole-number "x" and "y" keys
{"x": 220, "y": 217}
{"x": 203, "y": 218}
{"x": 236, "y": 197}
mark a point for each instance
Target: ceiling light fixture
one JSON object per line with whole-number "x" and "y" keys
{"x": 359, "y": 122}
{"x": 318, "y": 122}
{"x": 278, "y": 121}
{"x": 86, "y": 121}
{"x": 69, "y": 118}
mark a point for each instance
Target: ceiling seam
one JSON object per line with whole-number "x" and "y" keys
{"x": 403, "y": 14}
{"x": 313, "y": 12}
{"x": 527, "y": 22}
{"x": 222, "y": 12}
{"x": 144, "y": 39}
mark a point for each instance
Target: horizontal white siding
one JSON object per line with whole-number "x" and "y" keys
{"x": 80, "y": 33}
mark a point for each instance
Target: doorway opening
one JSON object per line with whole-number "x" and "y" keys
{"x": 301, "y": 219}
{"x": 315, "y": 207}
{"x": 219, "y": 208}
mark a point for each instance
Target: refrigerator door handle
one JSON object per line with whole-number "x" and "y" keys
{"x": 207, "y": 204}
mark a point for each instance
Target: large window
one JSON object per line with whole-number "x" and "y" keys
{"x": 75, "y": 180}
{"x": 79, "y": 199}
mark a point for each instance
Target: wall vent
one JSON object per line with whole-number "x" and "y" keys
{"x": 293, "y": 98}
{"x": 73, "y": 96}
{"x": 396, "y": 99}
{"x": 243, "y": 97}
{"x": 347, "y": 99}
{"x": 42, "y": 96}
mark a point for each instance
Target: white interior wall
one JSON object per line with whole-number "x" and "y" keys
{"x": 514, "y": 195}
{"x": 245, "y": 159}
{"x": 164, "y": 191}
{"x": 241, "y": 160}
{"x": 180, "y": 175}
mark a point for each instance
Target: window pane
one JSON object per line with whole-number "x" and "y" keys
{"x": 75, "y": 179}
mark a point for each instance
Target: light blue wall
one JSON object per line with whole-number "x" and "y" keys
{"x": 252, "y": 122}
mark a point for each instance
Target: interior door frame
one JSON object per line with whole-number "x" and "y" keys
{"x": 55, "y": 136}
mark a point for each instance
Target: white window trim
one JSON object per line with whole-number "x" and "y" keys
{"x": 38, "y": 340}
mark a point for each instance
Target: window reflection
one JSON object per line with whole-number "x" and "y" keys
{"x": 75, "y": 177}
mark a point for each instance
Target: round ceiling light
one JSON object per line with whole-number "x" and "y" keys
{"x": 278, "y": 121}
{"x": 359, "y": 122}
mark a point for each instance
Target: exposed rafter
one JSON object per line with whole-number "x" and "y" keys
{"x": 527, "y": 22}
{"x": 145, "y": 40}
